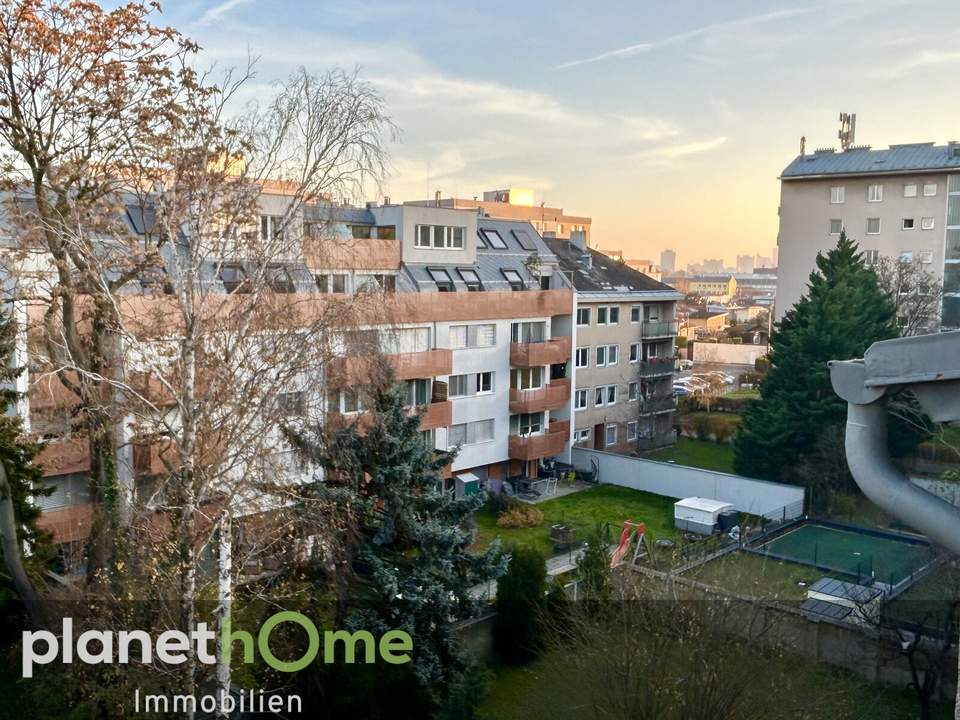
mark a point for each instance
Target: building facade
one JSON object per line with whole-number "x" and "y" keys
{"x": 902, "y": 202}
{"x": 625, "y": 330}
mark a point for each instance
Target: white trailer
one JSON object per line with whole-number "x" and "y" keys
{"x": 698, "y": 515}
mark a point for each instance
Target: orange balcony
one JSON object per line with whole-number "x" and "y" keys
{"x": 548, "y": 352}
{"x": 356, "y": 369}
{"x": 69, "y": 524}
{"x": 436, "y": 415}
{"x": 64, "y": 457}
{"x": 352, "y": 254}
{"x": 536, "y": 446}
{"x": 555, "y": 395}
{"x": 560, "y": 426}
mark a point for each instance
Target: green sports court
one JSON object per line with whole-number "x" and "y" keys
{"x": 856, "y": 552}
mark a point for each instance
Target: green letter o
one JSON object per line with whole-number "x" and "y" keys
{"x": 263, "y": 641}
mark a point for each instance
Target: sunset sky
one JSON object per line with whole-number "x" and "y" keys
{"x": 667, "y": 122}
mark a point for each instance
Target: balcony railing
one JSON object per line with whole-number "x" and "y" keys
{"x": 436, "y": 415}
{"x": 656, "y": 366}
{"x": 356, "y": 369}
{"x": 533, "y": 447}
{"x": 555, "y": 395}
{"x": 546, "y": 352}
{"x": 653, "y": 405}
{"x": 654, "y": 328}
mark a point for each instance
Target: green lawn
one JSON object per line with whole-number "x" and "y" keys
{"x": 604, "y": 503}
{"x": 541, "y": 691}
{"x": 748, "y": 574}
{"x": 744, "y": 394}
{"x": 697, "y": 453}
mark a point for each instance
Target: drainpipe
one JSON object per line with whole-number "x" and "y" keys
{"x": 929, "y": 366}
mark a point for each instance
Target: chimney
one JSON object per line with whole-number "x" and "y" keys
{"x": 386, "y": 199}
{"x": 803, "y": 145}
{"x": 436, "y": 197}
{"x": 578, "y": 238}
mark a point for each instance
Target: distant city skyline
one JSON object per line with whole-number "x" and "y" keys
{"x": 668, "y": 124}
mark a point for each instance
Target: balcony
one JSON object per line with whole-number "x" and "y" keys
{"x": 654, "y": 328}
{"x": 534, "y": 354}
{"x": 656, "y": 366}
{"x": 533, "y": 447}
{"x": 561, "y": 427}
{"x": 356, "y": 369}
{"x": 555, "y": 395}
{"x": 657, "y": 405}
{"x": 437, "y": 415}
{"x": 64, "y": 456}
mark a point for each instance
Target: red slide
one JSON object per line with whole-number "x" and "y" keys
{"x": 622, "y": 545}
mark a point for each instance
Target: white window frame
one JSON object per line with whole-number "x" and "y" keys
{"x": 581, "y": 435}
{"x": 904, "y": 221}
{"x": 584, "y": 311}
{"x": 879, "y": 226}
{"x": 581, "y": 393}
{"x": 613, "y": 355}
{"x": 636, "y": 352}
{"x": 597, "y": 362}
{"x": 632, "y": 430}
{"x": 633, "y": 391}
{"x": 908, "y": 192}
{"x": 585, "y": 349}
{"x": 638, "y": 311}
{"x": 455, "y": 343}
{"x": 932, "y": 187}
{"x": 448, "y": 241}
{"x": 928, "y": 223}
{"x": 839, "y": 221}
{"x": 906, "y": 256}
{"x": 875, "y": 193}
{"x": 838, "y": 194}
{"x": 925, "y": 257}
{"x": 606, "y": 434}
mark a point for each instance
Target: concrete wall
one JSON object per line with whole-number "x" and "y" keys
{"x": 759, "y": 497}
{"x": 727, "y": 353}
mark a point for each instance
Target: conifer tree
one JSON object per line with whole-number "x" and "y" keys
{"x": 797, "y": 424}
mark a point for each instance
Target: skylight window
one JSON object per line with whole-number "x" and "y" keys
{"x": 513, "y": 277}
{"x": 523, "y": 237}
{"x": 442, "y": 278}
{"x": 493, "y": 239}
{"x": 470, "y": 279}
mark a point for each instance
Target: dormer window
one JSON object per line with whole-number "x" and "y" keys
{"x": 470, "y": 278}
{"x": 523, "y": 237}
{"x": 492, "y": 239}
{"x": 513, "y": 277}
{"x": 442, "y": 278}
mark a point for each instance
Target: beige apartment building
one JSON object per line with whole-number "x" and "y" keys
{"x": 518, "y": 204}
{"x": 625, "y": 330}
{"x": 902, "y": 202}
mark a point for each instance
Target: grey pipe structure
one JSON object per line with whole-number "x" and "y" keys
{"x": 929, "y": 366}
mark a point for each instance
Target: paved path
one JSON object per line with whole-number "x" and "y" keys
{"x": 556, "y": 565}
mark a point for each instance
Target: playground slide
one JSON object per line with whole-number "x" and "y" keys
{"x": 622, "y": 545}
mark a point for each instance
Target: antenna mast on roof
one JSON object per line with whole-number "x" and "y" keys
{"x": 848, "y": 130}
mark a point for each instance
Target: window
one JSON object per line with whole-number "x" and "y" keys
{"x": 929, "y": 189}
{"x": 910, "y": 190}
{"x": 906, "y": 224}
{"x": 613, "y": 354}
{"x": 836, "y": 226}
{"x": 608, "y": 315}
{"x": 234, "y": 278}
{"x": 927, "y": 223}
{"x": 416, "y": 391}
{"x": 837, "y": 194}
{"x": 634, "y": 352}
{"x": 633, "y": 391}
{"x": 376, "y": 282}
{"x": 523, "y": 237}
{"x": 873, "y": 226}
{"x": 387, "y": 232}
{"x": 602, "y": 314}
{"x": 925, "y": 256}
{"x": 601, "y": 356}
{"x": 347, "y": 401}
{"x": 442, "y": 237}
{"x": 292, "y": 404}
{"x": 906, "y": 256}
{"x": 470, "y": 433}
{"x": 360, "y": 232}
{"x": 269, "y": 227}
{"x": 632, "y": 430}
{"x": 611, "y": 434}
{"x": 528, "y": 332}
{"x": 472, "y": 336}
{"x": 493, "y": 239}
{"x": 580, "y": 399}
{"x": 870, "y": 257}
{"x": 605, "y": 395}
{"x": 442, "y": 278}
{"x": 279, "y": 279}
{"x": 874, "y": 193}
{"x": 635, "y": 314}
{"x": 583, "y": 316}
{"x": 332, "y": 283}
{"x": 614, "y": 316}
{"x": 526, "y": 424}
{"x": 526, "y": 378}
{"x": 581, "y": 436}
{"x": 470, "y": 384}
{"x": 583, "y": 357}
{"x": 513, "y": 277}
{"x": 470, "y": 279}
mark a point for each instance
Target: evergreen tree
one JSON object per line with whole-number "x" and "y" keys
{"x": 517, "y": 628}
{"x": 408, "y": 561}
{"x": 594, "y": 571}
{"x": 799, "y": 417}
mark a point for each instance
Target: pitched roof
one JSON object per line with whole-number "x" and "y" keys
{"x": 604, "y": 274}
{"x": 913, "y": 157}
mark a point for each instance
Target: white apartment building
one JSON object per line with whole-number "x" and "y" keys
{"x": 902, "y": 202}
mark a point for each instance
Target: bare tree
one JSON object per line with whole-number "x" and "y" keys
{"x": 916, "y": 292}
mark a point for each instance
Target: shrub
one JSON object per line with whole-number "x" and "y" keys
{"x": 500, "y": 502}
{"x": 517, "y": 628}
{"x": 520, "y": 515}
{"x": 723, "y": 427}
{"x": 701, "y": 427}
{"x": 761, "y": 365}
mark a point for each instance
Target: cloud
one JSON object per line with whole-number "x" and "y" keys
{"x": 706, "y": 30}
{"x": 218, "y": 11}
{"x": 924, "y": 59}
{"x": 669, "y": 153}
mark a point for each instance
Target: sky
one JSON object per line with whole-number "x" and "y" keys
{"x": 666, "y": 122}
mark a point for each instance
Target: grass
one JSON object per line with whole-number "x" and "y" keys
{"x": 758, "y": 576}
{"x": 582, "y": 510}
{"x": 697, "y": 453}
{"x": 928, "y": 601}
{"x": 744, "y": 394}
{"x": 531, "y": 693}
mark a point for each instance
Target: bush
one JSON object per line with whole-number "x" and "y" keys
{"x": 520, "y": 515}
{"x": 517, "y": 627}
{"x": 681, "y": 341}
{"x": 761, "y": 365}
{"x": 500, "y": 502}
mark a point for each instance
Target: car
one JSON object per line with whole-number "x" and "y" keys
{"x": 721, "y": 377}
{"x": 684, "y": 364}
{"x": 681, "y": 390}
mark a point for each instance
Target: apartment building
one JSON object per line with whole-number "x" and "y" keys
{"x": 901, "y": 202}
{"x": 472, "y": 314}
{"x": 714, "y": 288}
{"x": 624, "y": 357}
{"x": 518, "y": 204}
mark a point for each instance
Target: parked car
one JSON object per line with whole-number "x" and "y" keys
{"x": 685, "y": 364}
{"x": 722, "y": 377}
{"x": 681, "y": 390}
